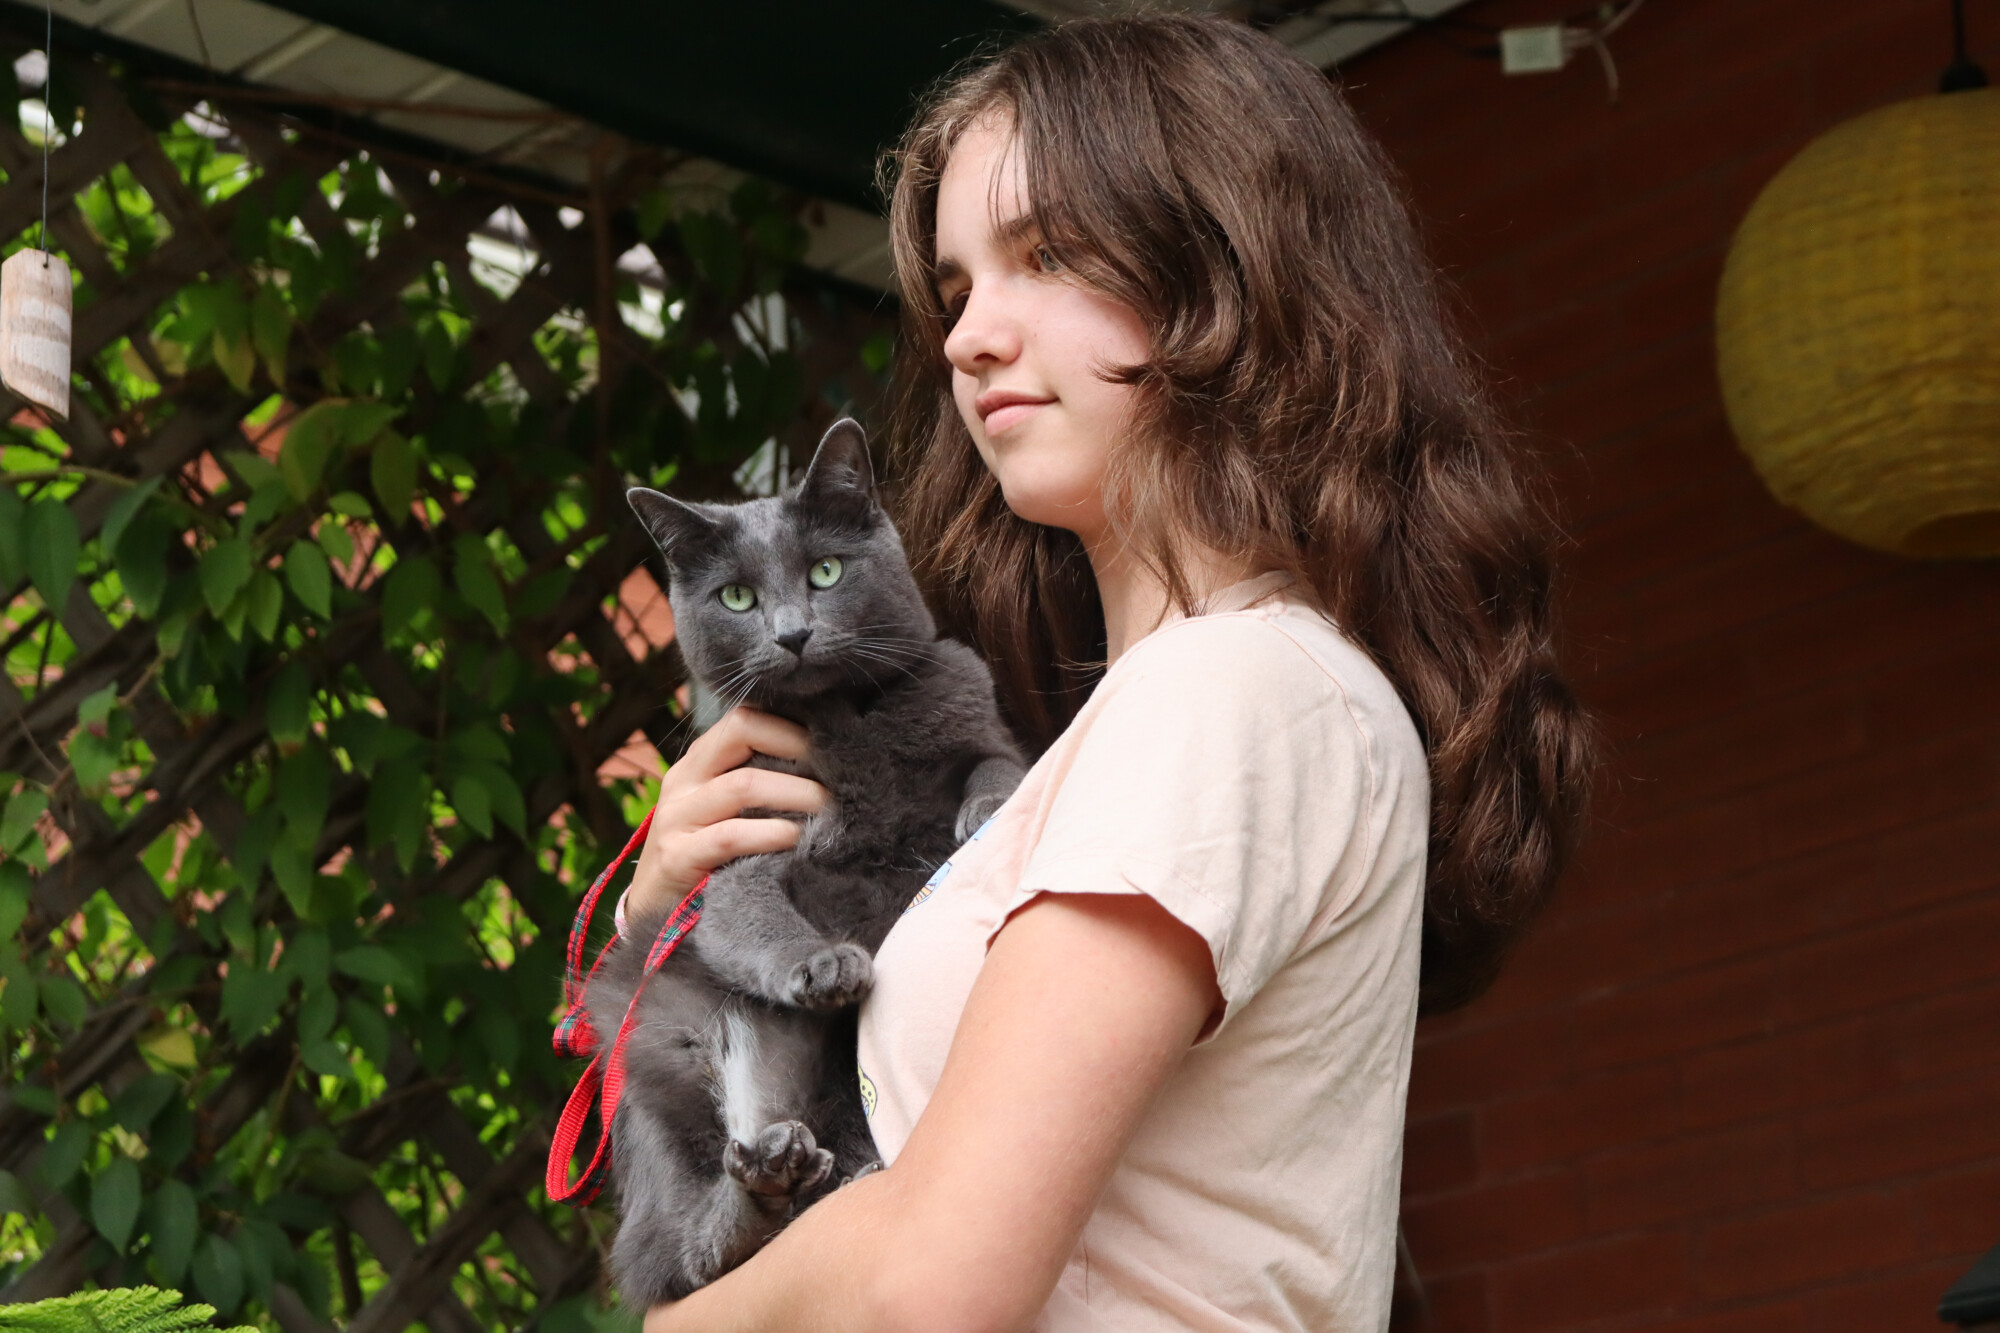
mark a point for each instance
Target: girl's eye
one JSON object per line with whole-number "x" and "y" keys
{"x": 826, "y": 573}
{"x": 738, "y": 597}
{"x": 1046, "y": 261}
{"x": 952, "y": 310}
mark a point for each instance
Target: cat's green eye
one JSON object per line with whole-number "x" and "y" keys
{"x": 825, "y": 573}
{"x": 737, "y": 597}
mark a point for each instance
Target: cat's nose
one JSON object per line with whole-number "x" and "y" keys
{"x": 794, "y": 640}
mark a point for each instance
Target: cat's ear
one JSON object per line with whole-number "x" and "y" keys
{"x": 840, "y": 466}
{"x": 679, "y": 527}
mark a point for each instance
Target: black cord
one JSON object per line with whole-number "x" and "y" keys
{"x": 1963, "y": 73}
{"x": 48, "y": 119}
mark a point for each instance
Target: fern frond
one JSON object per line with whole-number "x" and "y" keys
{"x": 115, "y": 1310}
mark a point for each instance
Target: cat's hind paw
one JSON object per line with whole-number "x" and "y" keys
{"x": 784, "y": 1160}
{"x": 833, "y": 978}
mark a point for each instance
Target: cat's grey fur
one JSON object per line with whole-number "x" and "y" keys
{"x": 741, "y": 1102}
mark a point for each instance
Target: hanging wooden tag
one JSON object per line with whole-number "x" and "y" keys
{"x": 34, "y": 329}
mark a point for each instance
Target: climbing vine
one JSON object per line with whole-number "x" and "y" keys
{"x": 319, "y": 623}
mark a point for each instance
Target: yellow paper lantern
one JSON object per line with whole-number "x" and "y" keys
{"x": 1858, "y": 328}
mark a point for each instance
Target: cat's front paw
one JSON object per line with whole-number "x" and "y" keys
{"x": 972, "y": 816}
{"x": 784, "y": 1160}
{"x": 833, "y": 978}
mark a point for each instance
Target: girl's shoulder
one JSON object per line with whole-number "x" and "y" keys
{"x": 1279, "y": 660}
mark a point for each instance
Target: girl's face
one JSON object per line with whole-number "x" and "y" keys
{"x": 1027, "y": 343}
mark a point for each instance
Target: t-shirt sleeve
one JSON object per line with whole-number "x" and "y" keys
{"x": 1223, "y": 774}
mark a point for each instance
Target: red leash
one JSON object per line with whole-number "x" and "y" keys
{"x": 603, "y": 1082}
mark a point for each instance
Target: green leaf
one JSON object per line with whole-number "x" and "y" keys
{"x": 335, "y": 540}
{"x": 141, "y": 556}
{"x": 94, "y": 758}
{"x": 308, "y": 956}
{"x": 64, "y": 1000}
{"x": 114, "y": 1201}
{"x": 13, "y": 515}
{"x": 543, "y": 593}
{"x": 266, "y": 604}
{"x": 271, "y": 332}
{"x": 19, "y": 997}
{"x": 218, "y": 1274}
{"x": 393, "y": 472}
{"x": 352, "y": 504}
{"x": 309, "y": 443}
{"x": 474, "y": 805}
{"x": 176, "y": 1222}
{"x": 225, "y": 572}
{"x": 236, "y": 358}
{"x": 292, "y": 867}
{"x": 472, "y": 572}
{"x": 63, "y": 1154}
{"x": 171, "y": 1046}
{"x": 120, "y": 514}
{"x": 304, "y": 787}
{"x": 14, "y": 1196}
{"x": 265, "y": 502}
{"x": 373, "y": 964}
{"x": 256, "y": 470}
{"x": 17, "y": 822}
{"x": 300, "y": 1212}
{"x": 253, "y": 844}
{"x": 361, "y": 422}
{"x": 17, "y": 891}
{"x": 142, "y": 1099}
{"x": 319, "y": 1010}
{"x": 654, "y": 205}
{"x": 324, "y": 1057}
{"x": 34, "y": 1097}
{"x": 398, "y": 359}
{"x": 287, "y": 705}
{"x": 97, "y": 705}
{"x": 263, "y": 1247}
{"x": 250, "y": 998}
{"x": 480, "y": 741}
{"x": 503, "y": 794}
{"x": 440, "y": 355}
{"x": 311, "y": 577}
{"x": 49, "y": 549}
{"x": 410, "y": 588}
{"x": 369, "y": 1027}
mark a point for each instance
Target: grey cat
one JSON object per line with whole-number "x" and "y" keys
{"x": 742, "y": 1103}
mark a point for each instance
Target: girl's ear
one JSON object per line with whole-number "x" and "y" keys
{"x": 679, "y": 528}
{"x": 840, "y": 466}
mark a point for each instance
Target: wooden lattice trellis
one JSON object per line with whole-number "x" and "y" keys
{"x": 434, "y": 1165}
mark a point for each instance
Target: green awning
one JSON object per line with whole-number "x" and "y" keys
{"x": 805, "y": 93}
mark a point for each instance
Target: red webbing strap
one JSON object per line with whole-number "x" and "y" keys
{"x": 603, "y": 1082}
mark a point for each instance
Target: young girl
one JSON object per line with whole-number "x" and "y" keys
{"x": 1177, "y": 399}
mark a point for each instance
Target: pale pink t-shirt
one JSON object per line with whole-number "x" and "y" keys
{"x": 1253, "y": 772}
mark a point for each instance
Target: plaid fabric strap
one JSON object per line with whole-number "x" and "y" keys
{"x": 603, "y": 1082}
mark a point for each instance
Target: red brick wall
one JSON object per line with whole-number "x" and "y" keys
{"x": 1746, "y": 1073}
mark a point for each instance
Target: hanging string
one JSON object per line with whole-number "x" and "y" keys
{"x": 1963, "y": 74}
{"x": 48, "y": 119}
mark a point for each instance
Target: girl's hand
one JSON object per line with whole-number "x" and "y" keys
{"x": 698, "y": 824}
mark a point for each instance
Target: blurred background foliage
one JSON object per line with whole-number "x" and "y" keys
{"x": 319, "y": 633}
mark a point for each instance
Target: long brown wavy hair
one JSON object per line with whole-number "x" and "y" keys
{"x": 1305, "y": 407}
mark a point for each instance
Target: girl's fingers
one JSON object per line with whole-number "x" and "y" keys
{"x": 728, "y": 744}
{"x": 738, "y": 790}
{"x": 723, "y": 842}
{"x": 671, "y": 866}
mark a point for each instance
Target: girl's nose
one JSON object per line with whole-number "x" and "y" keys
{"x": 986, "y": 333}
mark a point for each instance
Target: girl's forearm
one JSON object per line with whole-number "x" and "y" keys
{"x": 822, "y": 1274}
